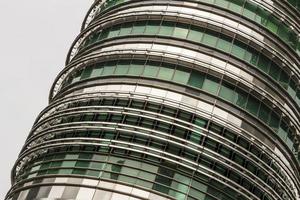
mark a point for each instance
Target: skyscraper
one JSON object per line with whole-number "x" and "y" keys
{"x": 172, "y": 99}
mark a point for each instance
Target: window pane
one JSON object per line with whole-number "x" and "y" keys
{"x": 284, "y": 79}
{"x": 151, "y": 69}
{"x": 139, "y": 27}
{"x": 227, "y": 92}
{"x": 181, "y": 31}
{"x": 97, "y": 71}
{"x": 253, "y": 105}
{"x": 68, "y": 164}
{"x": 114, "y": 31}
{"x": 109, "y": 68}
{"x": 166, "y": 73}
{"x": 224, "y": 43}
{"x": 264, "y": 113}
{"x": 241, "y": 98}
{"x": 210, "y": 38}
{"x": 167, "y": 28}
{"x": 181, "y": 75}
{"x": 152, "y": 27}
{"x": 272, "y": 25}
{"x": 195, "y": 34}
{"x": 196, "y": 79}
{"x": 263, "y": 63}
{"x": 274, "y": 71}
{"x": 126, "y": 29}
{"x": 274, "y": 121}
{"x": 122, "y": 67}
{"x": 239, "y": 49}
{"x": 236, "y": 6}
{"x": 250, "y": 10}
{"x": 86, "y": 73}
{"x": 136, "y": 69}
{"x": 211, "y": 85}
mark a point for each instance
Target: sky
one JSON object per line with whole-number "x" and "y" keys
{"x": 35, "y": 37}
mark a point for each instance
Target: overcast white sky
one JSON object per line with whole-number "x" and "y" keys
{"x": 35, "y": 36}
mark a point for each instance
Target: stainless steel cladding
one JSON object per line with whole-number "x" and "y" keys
{"x": 172, "y": 99}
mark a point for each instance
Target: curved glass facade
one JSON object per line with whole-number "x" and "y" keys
{"x": 172, "y": 100}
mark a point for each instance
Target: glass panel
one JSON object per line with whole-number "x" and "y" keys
{"x": 151, "y": 69}
{"x": 181, "y": 75}
{"x": 122, "y": 67}
{"x": 195, "y": 34}
{"x": 97, "y": 70}
{"x": 126, "y": 29}
{"x": 263, "y": 63}
{"x": 236, "y": 6}
{"x": 86, "y": 73}
{"x": 227, "y": 92}
{"x": 211, "y": 85}
{"x": 109, "y": 68}
{"x": 274, "y": 121}
{"x": 167, "y": 28}
{"x": 264, "y": 113}
{"x": 240, "y": 98}
{"x": 224, "y": 43}
{"x": 166, "y": 73}
{"x": 139, "y": 27}
{"x": 250, "y": 10}
{"x": 239, "y": 49}
{"x": 136, "y": 69}
{"x": 114, "y": 31}
{"x": 253, "y": 105}
{"x": 181, "y": 31}
{"x": 210, "y": 38}
{"x": 152, "y": 27}
{"x": 196, "y": 79}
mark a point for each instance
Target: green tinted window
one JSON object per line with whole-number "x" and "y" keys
{"x": 236, "y": 6}
{"x": 274, "y": 72}
{"x": 114, "y": 31}
{"x": 195, "y": 34}
{"x": 251, "y": 56}
{"x": 264, "y": 113}
{"x": 274, "y": 121}
{"x": 210, "y": 38}
{"x": 97, "y": 70}
{"x": 241, "y": 98}
{"x": 282, "y": 131}
{"x": 167, "y": 28}
{"x": 181, "y": 31}
{"x": 239, "y": 49}
{"x": 126, "y": 29}
{"x": 250, "y": 10}
{"x": 139, "y": 27}
{"x": 152, "y": 27}
{"x": 86, "y": 73}
{"x": 284, "y": 79}
{"x": 272, "y": 25}
{"x": 264, "y": 63}
{"x": 122, "y": 68}
{"x": 181, "y": 75}
{"x": 211, "y": 85}
{"x": 224, "y": 43}
{"x": 166, "y": 73}
{"x": 151, "y": 70}
{"x": 68, "y": 164}
{"x": 252, "y": 105}
{"x": 227, "y": 92}
{"x": 196, "y": 79}
{"x": 136, "y": 69}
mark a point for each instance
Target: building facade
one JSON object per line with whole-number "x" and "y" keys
{"x": 172, "y": 100}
